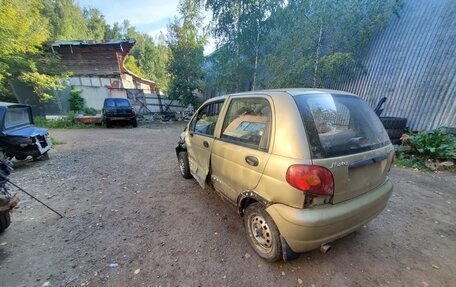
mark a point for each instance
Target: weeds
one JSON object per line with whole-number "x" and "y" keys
{"x": 427, "y": 150}
{"x": 56, "y": 141}
{"x": 65, "y": 122}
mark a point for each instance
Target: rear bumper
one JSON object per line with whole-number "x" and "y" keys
{"x": 308, "y": 229}
{"x": 119, "y": 118}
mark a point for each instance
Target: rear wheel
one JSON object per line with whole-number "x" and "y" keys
{"x": 20, "y": 157}
{"x": 134, "y": 123}
{"x": 262, "y": 233}
{"x": 184, "y": 166}
{"x": 5, "y": 220}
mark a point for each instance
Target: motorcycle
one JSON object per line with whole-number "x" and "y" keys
{"x": 8, "y": 200}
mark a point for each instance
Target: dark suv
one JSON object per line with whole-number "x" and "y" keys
{"x": 19, "y": 137}
{"x": 118, "y": 109}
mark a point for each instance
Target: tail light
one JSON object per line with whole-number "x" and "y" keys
{"x": 311, "y": 179}
{"x": 133, "y": 112}
{"x": 394, "y": 157}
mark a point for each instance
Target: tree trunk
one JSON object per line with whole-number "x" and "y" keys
{"x": 257, "y": 43}
{"x": 238, "y": 48}
{"x": 317, "y": 55}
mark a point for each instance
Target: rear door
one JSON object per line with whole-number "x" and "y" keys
{"x": 240, "y": 152}
{"x": 199, "y": 140}
{"x": 346, "y": 137}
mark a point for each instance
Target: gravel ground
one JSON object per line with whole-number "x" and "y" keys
{"x": 126, "y": 206}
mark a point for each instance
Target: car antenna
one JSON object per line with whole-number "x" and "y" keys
{"x": 3, "y": 177}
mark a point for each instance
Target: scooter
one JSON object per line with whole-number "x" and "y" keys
{"x": 8, "y": 200}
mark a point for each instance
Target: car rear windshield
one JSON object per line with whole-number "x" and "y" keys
{"x": 120, "y": 103}
{"x": 338, "y": 125}
{"x": 17, "y": 116}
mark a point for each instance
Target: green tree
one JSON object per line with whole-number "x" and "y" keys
{"x": 315, "y": 42}
{"x": 267, "y": 43}
{"x": 96, "y": 24}
{"x": 239, "y": 28}
{"x": 66, "y": 19}
{"x": 148, "y": 58}
{"x": 113, "y": 32}
{"x": 23, "y": 29}
{"x": 130, "y": 64}
{"x": 186, "y": 43}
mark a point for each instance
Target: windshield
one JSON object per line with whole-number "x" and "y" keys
{"x": 16, "y": 117}
{"x": 339, "y": 125}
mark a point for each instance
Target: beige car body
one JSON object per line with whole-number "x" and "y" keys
{"x": 305, "y": 223}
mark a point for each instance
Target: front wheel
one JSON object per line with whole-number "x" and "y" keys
{"x": 184, "y": 166}
{"x": 262, "y": 233}
{"x": 5, "y": 220}
{"x": 44, "y": 156}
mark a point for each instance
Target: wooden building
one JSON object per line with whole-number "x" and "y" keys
{"x": 98, "y": 69}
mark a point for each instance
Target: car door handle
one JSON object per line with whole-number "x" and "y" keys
{"x": 205, "y": 144}
{"x": 253, "y": 161}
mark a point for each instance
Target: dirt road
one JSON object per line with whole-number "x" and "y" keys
{"x": 125, "y": 204}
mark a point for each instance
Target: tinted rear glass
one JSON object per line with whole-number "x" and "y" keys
{"x": 338, "y": 125}
{"x": 122, "y": 103}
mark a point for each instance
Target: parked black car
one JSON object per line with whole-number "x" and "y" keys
{"x": 19, "y": 137}
{"x": 117, "y": 110}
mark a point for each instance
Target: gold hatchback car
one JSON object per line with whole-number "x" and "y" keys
{"x": 303, "y": 167}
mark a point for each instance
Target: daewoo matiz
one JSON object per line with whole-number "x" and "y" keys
{"x": 302, "y": 166}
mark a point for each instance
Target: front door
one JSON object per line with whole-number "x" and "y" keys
{"x": 200, "y": 138}
{"x": 240, "y": 153}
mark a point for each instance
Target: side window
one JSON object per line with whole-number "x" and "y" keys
{"x": 248, "y": 122}
{"x": 206, "y": 119}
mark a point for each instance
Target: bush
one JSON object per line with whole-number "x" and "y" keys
{"x": 66, "y": 122}
{"x": 427, "y": 150}
{"x": 77, "y": 102}
{"x": 89, "y": 111}
{"x": 433, "y": 144}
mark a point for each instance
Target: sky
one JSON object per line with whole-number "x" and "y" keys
{"x": 148, "y": 16}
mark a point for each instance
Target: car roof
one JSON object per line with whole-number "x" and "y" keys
{"x": 291, "y": 91}
{"x": 116, "y": 99}
{"x": 6, "y": 104}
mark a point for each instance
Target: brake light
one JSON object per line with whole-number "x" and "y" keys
{"x": 133, "y": 112}
{"x": 394, "y": 157}
{"x": 312, "y": 179}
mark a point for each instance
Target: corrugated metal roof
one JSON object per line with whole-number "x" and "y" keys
{"x": 89, "y": 42}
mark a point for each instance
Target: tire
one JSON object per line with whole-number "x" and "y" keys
{"x": 134, "y": 123}
{"x": 395, "y": 133}
{"x": 44, "y": 156}
{"x": 394, "y": 123}
{"x": 5, "y": 220}
{"x": 394, "y": 127}
{"x": 108, "y": 124}
{"x": 262, "y": 233}
{"x": 184, "y": 166}
{"x": 20, "y": 157}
